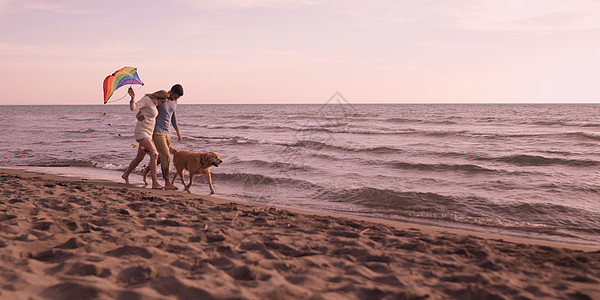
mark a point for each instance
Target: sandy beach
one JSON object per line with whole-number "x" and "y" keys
{"x": 70, "y": 238}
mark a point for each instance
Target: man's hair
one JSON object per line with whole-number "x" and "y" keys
{"x": 177, "y": 89}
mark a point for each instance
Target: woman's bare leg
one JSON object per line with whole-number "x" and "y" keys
{"x": 133, "y": 164}
{"x": 149, "y": 148}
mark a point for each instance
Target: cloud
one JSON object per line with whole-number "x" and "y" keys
{"x": 530, "y": 15}
{"x": 192, "y": 27}
{"x": 29, "y": 51}
{"x": 243, "y": 4}
{"x": 480, "y": 15}
{"x": 9, "y": 6}
{"x": 375, "y": 13}
{"x": 22, "y": 50}
{"x": 5, "y": 6}
{"x": 53, "y": 7}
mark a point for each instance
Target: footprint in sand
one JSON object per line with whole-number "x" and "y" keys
{"x": 130, "y": 250}
{"x": 70, "y": 290}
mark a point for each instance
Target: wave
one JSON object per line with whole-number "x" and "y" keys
{"x": 452, "y": 133}
{"x": 89, "y": 130}
{"x": 312, "y": 126}
{"x": 444, "y": 133}
{"x": 539, "y": 217}
{"x": 522, "y": 160}
{"x": 468, "y": 168}
{"x": 584, "y": 135}
{"x": 386, "y": 199}
{"x": 335, "y": 129}
{"x": 404, "y": 120}
{"x": 80, "y": 163}
{"x": 546, "y": 136}
{"x": 314, "y": 145}
{"x": 575, "y": 135}
{"x": 562, "y": 123}
{"x": 111, "y": 166}
{"x": 320, "y": 124}
{"x": 227, "y": 140}
{"x": 78, "y": 119}
{"x": 22, "y": 153}
{"x": 247, "y": 117}
{"x": 307, "y": 144}
{"x": 66, "y": 163}
{"x": 235, "y": 127}
{"x": 279, "y": 166}
{"x": 537, "y": 160}
{"x": 385, "y": 131}
{"x": 544, "y": 123}
{"x": 262, "y": 180}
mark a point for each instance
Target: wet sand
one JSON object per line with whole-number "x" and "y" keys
{"x": 71, "y": 238}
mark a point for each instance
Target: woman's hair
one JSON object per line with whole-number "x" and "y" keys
{"x": 162, "y": 94}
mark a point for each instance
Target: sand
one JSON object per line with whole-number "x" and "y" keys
{"x": 69, "y": 238}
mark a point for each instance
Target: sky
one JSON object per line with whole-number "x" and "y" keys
{"x": 279, "y": 51}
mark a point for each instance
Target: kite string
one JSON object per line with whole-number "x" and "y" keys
{"x": 126, "y": 94}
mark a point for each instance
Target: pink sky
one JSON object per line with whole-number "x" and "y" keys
{"x": 276, "y": 51}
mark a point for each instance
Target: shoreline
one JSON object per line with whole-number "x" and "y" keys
{"x": 394, "y": 223}
{"x": 67, "y": 237}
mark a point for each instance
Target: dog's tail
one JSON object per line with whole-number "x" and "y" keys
{"x": 172, "y": 150}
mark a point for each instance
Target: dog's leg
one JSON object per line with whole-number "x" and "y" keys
{"x": 209, "y": 180}
{"x": 180, "y": 172}
{"x": 174, "y": 177}
{"x": 187, "y": 188}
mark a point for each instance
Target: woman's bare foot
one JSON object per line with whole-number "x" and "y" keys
{"x": 171, "y": 187}
{"x": 126, "y": 177}
{"x": 157, "y": 187}
{"x": 145, "y": 175}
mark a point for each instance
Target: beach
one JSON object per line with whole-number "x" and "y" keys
{"x": 75, "y": 238}
{"x": 527, "y": 171}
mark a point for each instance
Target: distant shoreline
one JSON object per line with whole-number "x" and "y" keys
{"x": 322, "y": 103}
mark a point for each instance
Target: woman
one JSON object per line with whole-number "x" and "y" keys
{"x": 143, "y": 131}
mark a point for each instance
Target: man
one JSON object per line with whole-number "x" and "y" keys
{"x": 161, "y": 135}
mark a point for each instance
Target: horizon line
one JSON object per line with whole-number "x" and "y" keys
{"x": 314, "y": 103}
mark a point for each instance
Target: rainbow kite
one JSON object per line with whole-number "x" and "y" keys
{"x": 123, "y": 76}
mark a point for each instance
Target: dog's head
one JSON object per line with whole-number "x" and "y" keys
{"x": 213, "y": 159}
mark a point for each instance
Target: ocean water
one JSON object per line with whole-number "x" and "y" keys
{"x": 519, "y": 169}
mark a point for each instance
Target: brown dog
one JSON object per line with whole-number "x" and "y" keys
{"x": 195, "y": 163}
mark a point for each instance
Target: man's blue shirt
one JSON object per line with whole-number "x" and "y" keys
{"x": 166, "y": 115}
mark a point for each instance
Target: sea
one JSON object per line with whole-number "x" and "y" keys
{"x": 523, "y": 170}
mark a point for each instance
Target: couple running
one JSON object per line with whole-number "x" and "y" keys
{"x": 156, "y": 113}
